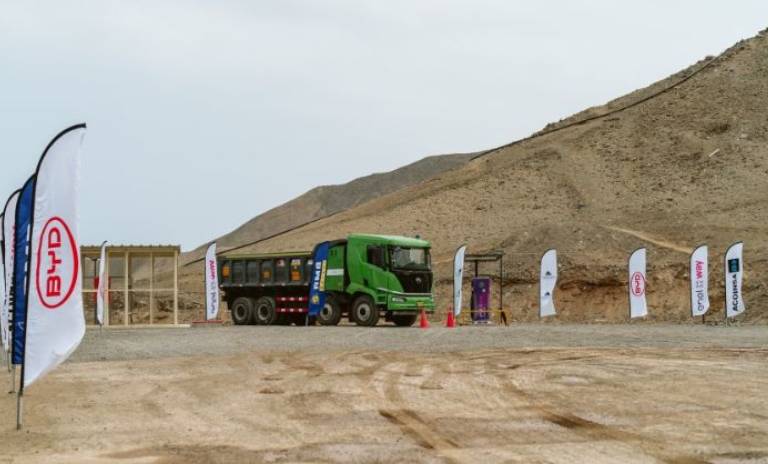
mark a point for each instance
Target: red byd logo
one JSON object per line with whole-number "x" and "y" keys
{"x": 638, "y": 284}
{"x": 58, "y": 264}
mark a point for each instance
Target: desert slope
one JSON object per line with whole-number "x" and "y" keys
{"x": 686, "y": 166}
{"x": 327, "y": 200}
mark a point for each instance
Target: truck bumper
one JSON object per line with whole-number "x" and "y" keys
{"x": 410, "y": 303}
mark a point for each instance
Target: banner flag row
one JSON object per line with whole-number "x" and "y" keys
{"x": 41, "y": 307}
{"x": 637, "y": 282}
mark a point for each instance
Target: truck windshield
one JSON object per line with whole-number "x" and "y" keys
{"x": 409, "y": 258}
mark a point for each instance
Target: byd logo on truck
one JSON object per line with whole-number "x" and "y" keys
{"x": 58, "y": 264}
{"x": 638, "y": 284}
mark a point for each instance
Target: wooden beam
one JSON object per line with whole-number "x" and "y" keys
{"x": 176, "y": 287}
{"x": 126, "y": 298}
{"x": 151, "y": 288}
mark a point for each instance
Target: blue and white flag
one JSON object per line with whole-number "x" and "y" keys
{"x": 317, "y": 285}
{"x": 734, "y": 274}
{"x": 3, "y": 312}
{"x": 8, "y": 230}
{"x": 55, "y": 319}
{"x": 20, "y": 268}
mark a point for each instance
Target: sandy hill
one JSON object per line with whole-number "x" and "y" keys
{"x": 682, "y": 162}
{"x": 324, "y": 201}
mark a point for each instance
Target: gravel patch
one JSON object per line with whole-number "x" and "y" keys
{"x": 150, "y": 343}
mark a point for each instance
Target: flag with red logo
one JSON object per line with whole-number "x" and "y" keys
{"x": 700, "y": 281}
{"x": 211, "y": 284}
{"x": 8, "y": 231}
{"x": 102, "y": 288}
{"x": 637, "y": 280}
{"x": 55, "y": 323}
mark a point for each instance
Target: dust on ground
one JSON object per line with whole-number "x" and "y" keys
{"x": 524, "y": 394}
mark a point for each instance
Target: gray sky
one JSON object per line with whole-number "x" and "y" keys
{"x": 201, "y": 114}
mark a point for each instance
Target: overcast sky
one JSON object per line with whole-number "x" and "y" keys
{"x": 203, "y": 114}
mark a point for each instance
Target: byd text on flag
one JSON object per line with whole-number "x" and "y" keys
{"x": 637, "y": 284}
{"x": 547, "y": 283}
{"x": 55, "y": 320}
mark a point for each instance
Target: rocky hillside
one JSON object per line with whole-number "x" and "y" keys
{"x": 324, "y": 201}
{"x": 682, "y": 162}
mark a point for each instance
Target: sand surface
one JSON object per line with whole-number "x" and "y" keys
{"x": 525, "y": 394}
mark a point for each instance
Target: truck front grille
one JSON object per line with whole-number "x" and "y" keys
{"x": 415, "y": 281}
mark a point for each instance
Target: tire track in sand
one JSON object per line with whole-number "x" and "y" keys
{"x": 586, "y": 428}
{"x": 413, "y": 425}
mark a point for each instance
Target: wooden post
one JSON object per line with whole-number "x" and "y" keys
{"x": 151, "y": 288}
{"x": 126, "y": 299}
{"x": 176, "y": 287}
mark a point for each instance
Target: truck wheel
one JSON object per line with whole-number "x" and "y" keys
{"x": 331, "y": 312}
{"x": 404, "y": 320}
{"x": 242, "y": 311}
{"x": 264, "y": 312}
{"x": 365, "y": 312}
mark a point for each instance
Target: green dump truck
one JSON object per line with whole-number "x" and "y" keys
{"x": 363, "y": 277}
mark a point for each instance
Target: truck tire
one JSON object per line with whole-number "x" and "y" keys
{"x": 242, "y": 311}
{"x": 331, "y": 312}
{"x": 365, "y": 313}
{"x": 404, "y": 320}
{"x": 264, "y": 312}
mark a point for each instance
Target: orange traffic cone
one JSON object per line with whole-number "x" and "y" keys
{"x": 423, "y": 322}
{"x": 451, "y": 321}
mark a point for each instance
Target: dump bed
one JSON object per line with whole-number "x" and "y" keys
{"x": 265, "y": 270}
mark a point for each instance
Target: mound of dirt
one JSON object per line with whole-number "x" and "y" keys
{"x": 682, "y": 162}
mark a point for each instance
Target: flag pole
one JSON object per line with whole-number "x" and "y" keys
{"x": 19, "y": 410}
{"x": 20, "y": 401}
{"x": 13, "y": 379}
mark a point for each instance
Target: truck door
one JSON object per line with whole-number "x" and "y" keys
{"x": 374, "y": 269}
{"x": 335, "y": 274}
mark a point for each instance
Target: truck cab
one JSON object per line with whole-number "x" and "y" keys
{"x": 370, "y": 276}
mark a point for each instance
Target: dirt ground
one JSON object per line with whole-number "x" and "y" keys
{"x": 524, "y": 394}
